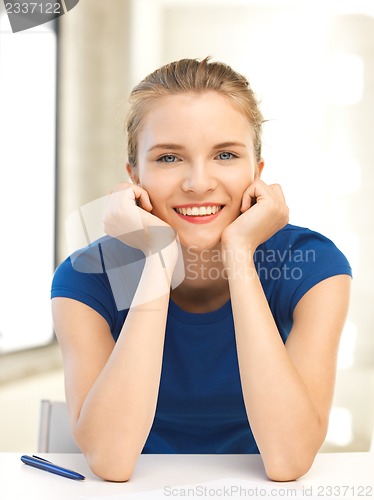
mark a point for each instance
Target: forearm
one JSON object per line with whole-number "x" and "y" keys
{"x": 282, "y": 415}
{"x": 117, "y": 413}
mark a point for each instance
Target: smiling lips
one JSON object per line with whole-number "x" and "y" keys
{"x": 198, "y": 214}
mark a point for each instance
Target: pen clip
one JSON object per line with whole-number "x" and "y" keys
{"x": 40, "y": 458}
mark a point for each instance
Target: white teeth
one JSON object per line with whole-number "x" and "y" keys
{"x": 199, "y": 210}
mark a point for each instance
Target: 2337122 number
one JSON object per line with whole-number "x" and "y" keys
{"x": 345, "y": 491}
{"x": 34, "y": 8}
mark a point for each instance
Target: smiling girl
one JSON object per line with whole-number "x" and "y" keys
{"x": 240, "y": 357}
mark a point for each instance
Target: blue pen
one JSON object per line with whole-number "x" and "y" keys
{"x": 42, "y": 463}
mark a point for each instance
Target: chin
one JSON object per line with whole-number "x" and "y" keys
{"x": 200, "y": 244}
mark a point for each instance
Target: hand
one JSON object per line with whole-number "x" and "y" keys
{"x": 264, "y": 212}
{"x": 128, "y": 218}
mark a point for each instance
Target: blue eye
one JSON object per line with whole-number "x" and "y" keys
{"x": 226, "y": 155}
{"x": 168, "y": 159}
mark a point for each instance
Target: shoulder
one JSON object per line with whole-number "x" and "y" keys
{"x": 103, "y": 275}
{"x": 295, "y": 244}
{"x": 89, "y": 288}
{"x": 291, "y": 235}
{"x": 80, "y": 268}
{"x": 95, "y": 262}
{"x": 290, "y": 263}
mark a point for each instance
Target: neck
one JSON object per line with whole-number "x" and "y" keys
{"x": 205, "y": 286}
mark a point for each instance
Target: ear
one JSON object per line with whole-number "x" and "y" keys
{"x": 259, "y": 169}
{"x": 132, "y": 174}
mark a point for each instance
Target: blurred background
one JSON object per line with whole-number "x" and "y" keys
{"x": 63, "y": 98}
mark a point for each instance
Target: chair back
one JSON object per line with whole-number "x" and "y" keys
{"x": 55, "y": 435}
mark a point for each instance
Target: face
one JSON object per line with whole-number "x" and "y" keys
{"x": 195, "y": 159}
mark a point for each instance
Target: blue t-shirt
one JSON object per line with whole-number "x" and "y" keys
{"x": 200, "y": 406}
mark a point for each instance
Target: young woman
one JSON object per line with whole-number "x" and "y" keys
{"x": 240, "y": 357}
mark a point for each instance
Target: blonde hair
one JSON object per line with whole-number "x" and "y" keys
{"x": 192, "y": 75}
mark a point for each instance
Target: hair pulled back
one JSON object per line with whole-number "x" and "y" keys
{"x": 192, "y": 76}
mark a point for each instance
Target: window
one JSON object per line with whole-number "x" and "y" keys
{"x": 27, "y": 183}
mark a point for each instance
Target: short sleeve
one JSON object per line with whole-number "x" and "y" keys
{"x": 301, "y": 258}
{"x": 104, "y": 275}
{"x": 92, "y": 289}
{"x": 324, "y": 262}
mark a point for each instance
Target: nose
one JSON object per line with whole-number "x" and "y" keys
{"x": 199, "y": 179}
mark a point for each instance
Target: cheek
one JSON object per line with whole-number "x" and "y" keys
{"x": 239, "y": 184}
{"x": 148, "y": 182}
{"x": 158, "y": 184}
{"x": 158, "y": 194}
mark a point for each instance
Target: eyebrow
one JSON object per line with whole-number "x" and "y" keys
{"x": 166, "y": 146}
{"x": 229, "y": 144}
{"x": 177, "y": 147}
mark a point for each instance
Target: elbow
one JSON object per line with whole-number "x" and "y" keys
{"x": 106, "y": 461}
{"x": 289, "y": 464}
{"x": 111, "y": 476}
{"x": 282, "y": 470}
{"x": 110, "y": 464}
{"x": 119, "y": 472}
{"x": 284, "y": 474}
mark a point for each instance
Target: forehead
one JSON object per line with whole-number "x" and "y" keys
{"x": 191, "y": 115}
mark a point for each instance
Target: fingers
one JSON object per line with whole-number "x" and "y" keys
{"x": 143, "y": 198}
{"x": 259, "y": 190}
{"x": 277, "y": 190}
{"x": 136, "y": 193}
{"x": 251, "y": 194}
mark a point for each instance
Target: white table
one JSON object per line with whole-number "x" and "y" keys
{"x": 333, "y": 475}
